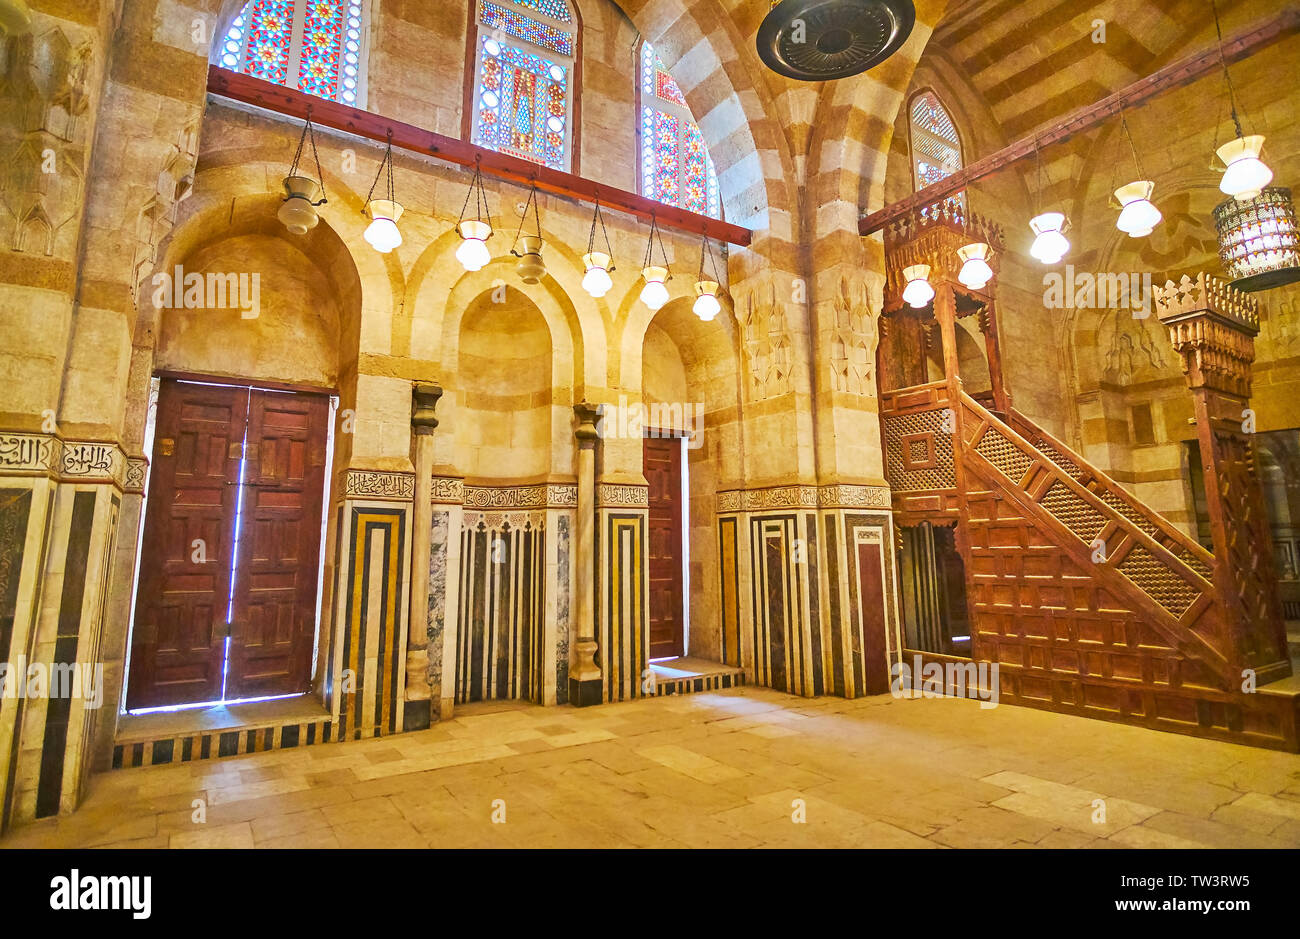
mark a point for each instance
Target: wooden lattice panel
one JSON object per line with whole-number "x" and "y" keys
{"x": 1005, "y": 455}
{"x": 918, "y": 451}
{"x": 1159, "y": 583}
{"x": 1084, "y": 522}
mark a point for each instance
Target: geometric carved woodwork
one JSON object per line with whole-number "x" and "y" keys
{"x": 1212, "y": 327}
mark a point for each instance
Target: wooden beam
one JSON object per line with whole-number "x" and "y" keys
{"x": 285, "y": 101}
{"x": 1180, "y": 73}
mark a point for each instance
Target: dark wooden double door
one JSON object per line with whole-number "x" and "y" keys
{"x": 662, "y": 465}
{"x": 231, "y": 545}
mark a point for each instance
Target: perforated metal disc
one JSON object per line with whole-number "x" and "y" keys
{"x": 820, "y": 40}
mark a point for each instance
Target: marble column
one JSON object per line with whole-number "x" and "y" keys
{"x": 418, "y": 710}
{"x": 584, "y": 673}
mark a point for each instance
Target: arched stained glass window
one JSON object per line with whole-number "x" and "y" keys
{"x": 523, "y": 79}
{"x": 315, "y": 46}
{"x": 675, "y": 164}
{"x": 936, "y": 148}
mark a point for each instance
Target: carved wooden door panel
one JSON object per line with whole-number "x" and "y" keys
{"x": 178, "y": 644}
{"x": 277, "y": 573}
{"x": 663, "y": 471}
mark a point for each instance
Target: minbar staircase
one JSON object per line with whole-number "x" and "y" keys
{"x": 1092, "y": 603}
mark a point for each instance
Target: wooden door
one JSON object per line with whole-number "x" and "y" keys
{"x": 178, "y": 645}
{"x": 663, "y": 471}
{"x": 277, "y": 572}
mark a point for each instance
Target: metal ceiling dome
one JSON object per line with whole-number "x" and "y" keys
{"x": 821, "y": 40}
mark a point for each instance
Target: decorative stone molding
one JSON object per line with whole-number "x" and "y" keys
{"x": 773, "y": 497}
{"x": 854, "y": 497}
{"x": 369, "y": 484}
{"x": 497, "y": 521}
{"x": 92, "y": 461}
{"x": 776, "y": 498}
{"x": 81, "y": 461}
{"x": 27, "y": 453}
{"x": 448, "y": 490}
{"x": 137, "y": 471}
{"x": 542, "y": 496}
{"x": 613, "y": 495}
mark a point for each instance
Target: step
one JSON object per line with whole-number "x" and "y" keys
{"x": 688, "y": 675}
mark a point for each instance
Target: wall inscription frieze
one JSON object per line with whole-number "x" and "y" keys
{"x": 368, "y": 484}
{"x": 557, "y": 495}
{"x": 802, "y": 497}
{"x": 615, "y": 495}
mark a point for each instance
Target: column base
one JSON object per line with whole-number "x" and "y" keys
{"x": 585, "y": 693}
{"x": 417, "y": 715}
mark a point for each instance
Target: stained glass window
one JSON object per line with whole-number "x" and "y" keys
{"x": 524, "y": 79}
{"x": 936, "y": 148}
{"x": 675, "y": 165}
{"x": 315, "y": 46}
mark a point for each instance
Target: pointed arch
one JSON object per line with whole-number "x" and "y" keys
{"x": 676, "y": 167}
{"x": 934, "y": 142}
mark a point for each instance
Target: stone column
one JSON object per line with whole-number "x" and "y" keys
{"x": 584, "y": 673}
{"x": 1212, "y": 327}
{"x": 418, "y": 710}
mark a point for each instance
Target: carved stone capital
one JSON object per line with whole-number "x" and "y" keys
{"x": 424, "y": 398}
{"x": 587, "y": 415}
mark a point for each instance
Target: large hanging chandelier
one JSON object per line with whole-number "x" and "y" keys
{"x": 1258, "y": 240}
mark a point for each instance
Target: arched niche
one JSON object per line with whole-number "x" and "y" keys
{"x": 690, "y": 384}
{"x": 505, "y": 410}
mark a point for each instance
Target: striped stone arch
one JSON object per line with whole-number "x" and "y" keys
{"x": 708, "y": 48}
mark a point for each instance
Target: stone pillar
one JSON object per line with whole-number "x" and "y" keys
{"x": 418, "y": 710}
{"x": 584, "y": 673}
{"x": 1212, "y": 327}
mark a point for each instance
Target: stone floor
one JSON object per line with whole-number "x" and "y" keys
{"x": 729, "y": 769}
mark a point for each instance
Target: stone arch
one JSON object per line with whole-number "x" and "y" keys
{"x": 440, "y": 290}
{"x": 504, "y": 414}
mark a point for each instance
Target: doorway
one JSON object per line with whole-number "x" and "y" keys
{"x": 936, "y": 617}
{"x": 227, "y": 600}
{"x": 662, "y": 465}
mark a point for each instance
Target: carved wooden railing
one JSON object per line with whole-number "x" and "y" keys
{"x": 1137, "y": 555}
{"x": 1177, "y": 541}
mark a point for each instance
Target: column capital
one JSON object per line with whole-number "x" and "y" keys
{"x": 587, "y": 415}
{"x": 424, "y": 398}
{"x": 1212, "y": 327}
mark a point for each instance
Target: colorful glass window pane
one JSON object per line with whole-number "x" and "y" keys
{"x": 656, "y": 79}
{"x": 936, "y": 148}
{"x": 526, "y": 28}
{"x": 328, "y": 62}
{"x": 522, "y": 104}
{"x": 555, "y": 9}
{"x": 270, "y": 30}
{"x": 675, "y": 165}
